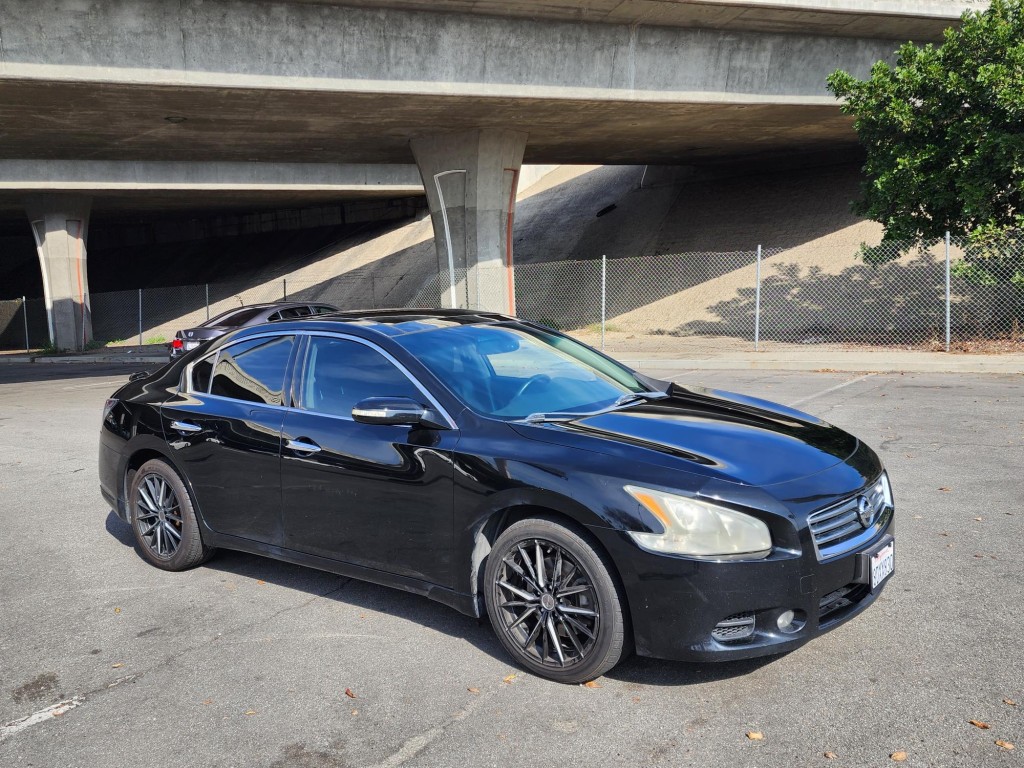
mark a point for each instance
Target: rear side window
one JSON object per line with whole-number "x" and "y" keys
{"x": 201, "y": 375}
{"x": 253, "y": 370}
{"x": 320, "y": 309}
{"x": 339, "y": 373}
{"x": 290, "y": 313}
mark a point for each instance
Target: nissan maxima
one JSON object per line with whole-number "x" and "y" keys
{"x": 505, "y": 469}
{"x": 188, "y": 339}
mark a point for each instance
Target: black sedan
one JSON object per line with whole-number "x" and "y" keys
{"x": 253, "y": 314}
{"x": 500, "y": 467}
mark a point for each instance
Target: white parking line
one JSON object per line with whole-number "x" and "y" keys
{"x": 6, "y": 731}
{"x": 823, "y": 392}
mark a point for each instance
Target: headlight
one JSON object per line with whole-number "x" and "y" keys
{"x": 699, "y": 529}
{"x": 886, "y": 489}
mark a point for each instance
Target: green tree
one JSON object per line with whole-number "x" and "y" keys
{"x": 944, "y": 134}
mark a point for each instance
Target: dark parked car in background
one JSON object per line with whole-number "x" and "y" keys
{"x": 505, "y": 469}
{"x": 253, "y": 314}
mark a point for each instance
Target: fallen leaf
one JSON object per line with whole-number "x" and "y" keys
{"x": 978, "y": 519}
{"x": 981, "y": 556}
{"x": 591, "y": 684}
{"x": 117, "y": 610}
{"x": 943, "y": 489}
{"x": 118, "y": 665}
{"x": 755, "y": 735}
{"x": 473, "y": 690}
{"x": 1004, "y": 744}
{"x": 979, "y": 724}
{"x": 944, "y": 533}
{"x": 898, "y": 757}
{"x": 508, "y": 678}
{"x": 831, "y": 755}
{"x": 207, "y": 701}
{"x": 261, "y": 582}
{"x": 355, "y": 712}
{"x": 250, "y": 711}
{"x": 636, "y": 699}
{"x": 1011, "y": 702}
{"x": 349, "y": 692}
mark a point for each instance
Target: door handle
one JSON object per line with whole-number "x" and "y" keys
{"x": 184, "y": 427}
{"x": 301, "y": 446}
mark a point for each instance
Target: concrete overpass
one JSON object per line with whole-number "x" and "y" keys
{"x": 106, "y": 102}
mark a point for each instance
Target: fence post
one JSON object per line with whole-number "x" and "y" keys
{"x": 757, "y": 304}
{"x": 24, "y": 312}
{"x": 284, "y": 288}
{"x": 947, "y": 290}
{"x": 140, "y": 317}
{"x": 207, "y": 301}
{"x": 604, "y": 294}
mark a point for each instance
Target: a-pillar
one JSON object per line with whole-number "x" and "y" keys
{"x": 60, "y": 225}
{"x": 470, "y": 180}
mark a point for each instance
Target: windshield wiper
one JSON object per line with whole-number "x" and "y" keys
{"x": 632, "y": 397}
{"x": 626, "y": 399}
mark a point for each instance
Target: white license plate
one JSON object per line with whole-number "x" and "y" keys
{"x": 882, "y": 564}
{"x": 191, "y": 344}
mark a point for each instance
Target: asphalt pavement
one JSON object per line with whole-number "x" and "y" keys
{"x": 106, "y": 661}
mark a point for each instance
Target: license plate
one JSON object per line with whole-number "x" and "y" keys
{"x": 883, "y": 563}
{"x": 191, "y": 344}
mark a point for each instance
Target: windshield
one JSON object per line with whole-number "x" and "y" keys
{"x": 511, "y": 371}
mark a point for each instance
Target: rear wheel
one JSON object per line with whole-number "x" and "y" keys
{"x": 164, "y": 520}
{"x": 554, "y": 602}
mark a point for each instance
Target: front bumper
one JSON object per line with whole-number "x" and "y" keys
{"x": 676, "y": 603}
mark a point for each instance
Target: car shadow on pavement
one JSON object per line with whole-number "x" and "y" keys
{"x": 432, "y": 615}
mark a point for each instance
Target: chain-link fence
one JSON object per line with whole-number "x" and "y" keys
{"x": 925, "y": 296}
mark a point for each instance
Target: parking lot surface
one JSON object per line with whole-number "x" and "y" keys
{"x": 250, "y": 662}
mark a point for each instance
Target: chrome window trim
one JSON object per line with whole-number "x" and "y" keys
{"x": 309, "y": 333}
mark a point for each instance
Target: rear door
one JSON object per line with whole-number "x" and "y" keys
{"x": 225, "y": 428}
{"x": 379, "y": 496}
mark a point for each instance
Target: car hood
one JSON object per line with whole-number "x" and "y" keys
{"x": 720, "y": 434}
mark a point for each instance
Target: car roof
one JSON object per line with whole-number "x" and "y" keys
{"x": 392, "y": 322}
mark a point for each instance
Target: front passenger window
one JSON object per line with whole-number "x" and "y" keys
{"x": 339, "y": 373}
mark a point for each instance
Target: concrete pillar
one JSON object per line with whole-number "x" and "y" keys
{"x": 60, "y": 225}
{"x": 470, "y": 179}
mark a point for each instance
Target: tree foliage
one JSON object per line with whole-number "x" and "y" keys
{"x": 944, "y": 134}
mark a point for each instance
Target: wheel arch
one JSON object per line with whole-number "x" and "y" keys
{"x": 498, "y": 520}
{"x": 137, "y": 453}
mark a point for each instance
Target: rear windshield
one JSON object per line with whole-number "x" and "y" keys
{"x": 234, "y": 317}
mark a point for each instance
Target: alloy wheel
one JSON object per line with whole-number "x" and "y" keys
{"x": 547, "y": 603}
{"x": 158, "y": 516}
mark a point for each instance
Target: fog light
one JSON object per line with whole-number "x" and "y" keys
{"x": 791, "y": 621}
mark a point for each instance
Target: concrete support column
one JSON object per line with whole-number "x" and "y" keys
{"x": 60, "y": 225}
{"x": 470, "y": 180}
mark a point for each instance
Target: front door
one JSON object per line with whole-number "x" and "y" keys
{"x": 379, "y": 496}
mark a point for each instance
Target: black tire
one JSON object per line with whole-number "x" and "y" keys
{"x": 566, "y": 623}
{"x": 163, "y": 518}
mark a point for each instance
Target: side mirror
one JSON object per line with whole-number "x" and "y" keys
{"x": 393, "y": 410}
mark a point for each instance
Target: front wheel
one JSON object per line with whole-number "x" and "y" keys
{"x": 554, "y": 602}
{"x": 163, "y": 519}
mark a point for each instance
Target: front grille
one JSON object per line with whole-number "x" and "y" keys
{"x": 837, "y": 529}
{"x": 733, "y": 628}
